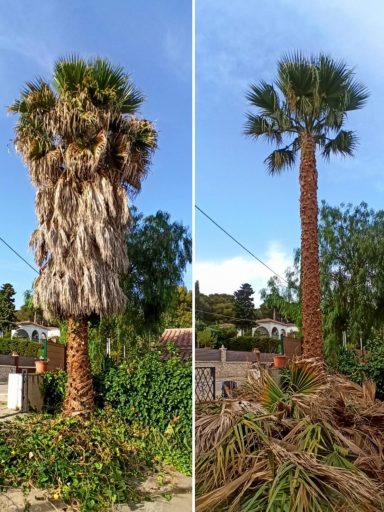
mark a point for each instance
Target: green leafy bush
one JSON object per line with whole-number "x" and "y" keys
{"x": 53, "y": 390}
{"x": 206, "y": 338}
{"x": 371, "y": 366}
{"x": 23, "y": 347}
{"x": 148, "y": 391}
{"x": 223, "y": 333}
{"x": 247, "y": 343}
{"x": 151, "y": 391}
{"x": 92, "y": 464}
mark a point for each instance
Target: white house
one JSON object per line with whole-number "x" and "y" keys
{"x": 34, "y": 331}
{"x": 274, "y": 328}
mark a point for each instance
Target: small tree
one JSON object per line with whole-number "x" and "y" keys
{"x": 7, "y": 307}
{"x": 244, "y": 307}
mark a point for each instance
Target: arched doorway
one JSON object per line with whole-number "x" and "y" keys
{"x": 275, "y": 332}
{"x": 261, "y": 331}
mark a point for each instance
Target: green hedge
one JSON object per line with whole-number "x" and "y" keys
{"x": 23, "y": 347}
{"x": 247, "y": 343}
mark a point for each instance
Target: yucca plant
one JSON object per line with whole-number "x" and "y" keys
{"x": 85, "y": 148}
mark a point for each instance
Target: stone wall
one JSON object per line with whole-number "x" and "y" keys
{"x": 5, "y": 371}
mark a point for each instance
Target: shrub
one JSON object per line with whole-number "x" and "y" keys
{"x": 53, "y": 390}
{"x": 92, "y": 464}
{"x": 247, "y": 343}
{"x": 23, "y": 347}
{"x": 223, "y": 333}
{"x": 151, "y": 391}
{"x": 369, "y": 367}
{"x": 206, "y": 338}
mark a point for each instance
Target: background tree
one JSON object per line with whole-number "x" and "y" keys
{"x": 244, "y": 307}
{"x": 180, "y": 314}
{"x": 215, "y": 308}
{"x": 159, "y": 252}
{"x": 352, "y": 272}
{"x": 304, "y": 111}
{"x": 284, "y": 298}
{"x": 84, "y": 148}
{"x": 7, "y": 307}
{"x": 29, "y": 311}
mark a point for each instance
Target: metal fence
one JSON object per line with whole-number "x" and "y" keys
{"x": 205, "y": 383}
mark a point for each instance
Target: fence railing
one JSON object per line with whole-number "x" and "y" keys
{"x": 205, "y": 383}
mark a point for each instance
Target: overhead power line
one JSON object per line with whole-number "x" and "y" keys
{"x": 19, "y": 255}
{"x": 241, "y": 245}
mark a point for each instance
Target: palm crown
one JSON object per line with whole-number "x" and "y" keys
{"x": 84, "y": 147}
{"x": 310, "y": 96}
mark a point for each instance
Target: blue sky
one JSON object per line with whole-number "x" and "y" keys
{"x": 152, "y": 40}
{"x": 239, "y": 43}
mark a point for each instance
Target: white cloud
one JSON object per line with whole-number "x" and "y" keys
{"x": 226, "y": 276}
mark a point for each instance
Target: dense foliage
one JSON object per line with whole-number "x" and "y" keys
{"x": 151, "y": 391}
{"x": 244, "y": 307}
{"x": 159, "y": 251}
{"x": 369, "y": 366}
{"x": 148, "y": 391}
{"x": 215, "y": 307}
{"x": 92, "y": 464}
{"x": 351, "y": 242}
{"x": 180, "y": 309}
{"x": 7, "y": 307}
{"x": 247, "y": 343}
{"x": 206, "y": 338}
{"x": 23, "y": 347}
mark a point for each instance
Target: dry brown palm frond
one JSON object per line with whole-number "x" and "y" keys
{"x": 352, "y": 488}
{"x": 211, "y": 428}
{"x": 259, "y": 471}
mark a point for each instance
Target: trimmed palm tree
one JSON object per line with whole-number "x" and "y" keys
{"x": 85, "y": 148}
{"x": 304, "y": 112}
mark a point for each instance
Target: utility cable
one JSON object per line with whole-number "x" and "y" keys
{"x": 19, "y": 255}
{"x": 240, "y": 244}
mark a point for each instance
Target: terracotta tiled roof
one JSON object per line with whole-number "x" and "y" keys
{"x": 182, "y": 338}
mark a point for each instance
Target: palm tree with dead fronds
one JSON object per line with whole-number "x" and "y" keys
{"x": 85, "y": 148}
{"x": 302, "y": 113}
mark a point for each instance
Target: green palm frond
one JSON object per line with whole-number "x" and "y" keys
{"x": 113, "y": 86}
{"x": 296, "y": 80}
{"x": 310, "y": 95}
{"x": 279, "y": 160}
{"x": 70, "y": 75}
{"x": 307, "y": 377}
{"x": 264, "y": 97}
{"x": 343, "y": 144}
{"x": 258, "y": 126}
{"x": 272, "y": 396}
{"x": 36, "y": 96}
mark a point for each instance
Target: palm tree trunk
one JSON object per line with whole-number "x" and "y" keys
{"x": 79, "y": 399}
{"x": 310, "y": 271}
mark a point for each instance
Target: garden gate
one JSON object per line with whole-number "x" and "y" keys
{"x": 205, "y": 383}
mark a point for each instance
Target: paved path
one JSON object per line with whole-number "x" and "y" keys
{"x": 178, "y": 486}
{"x": 3, "y": 393}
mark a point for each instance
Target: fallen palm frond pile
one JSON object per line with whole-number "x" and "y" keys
{"x": 312, "y": 443}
